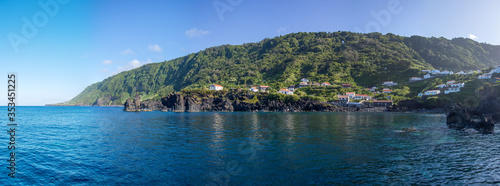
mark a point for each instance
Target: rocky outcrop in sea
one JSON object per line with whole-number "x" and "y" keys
{"x": 482, "y": 118}
{"x": 137, "y": 105}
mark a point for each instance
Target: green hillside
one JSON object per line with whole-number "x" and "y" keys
{"x": 339, "y": 57}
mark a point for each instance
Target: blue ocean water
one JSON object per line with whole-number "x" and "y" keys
{"x": 106, "y": 146}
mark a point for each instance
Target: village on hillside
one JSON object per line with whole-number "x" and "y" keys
{"x": 380, "y": 96}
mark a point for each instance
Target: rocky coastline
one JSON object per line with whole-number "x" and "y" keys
{"x": 237, "y": 102}
{"x": 482, "y": 118}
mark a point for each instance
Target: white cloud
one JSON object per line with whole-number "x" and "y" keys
{"x": 135, "y": 63}
{"x": 131, "y": 65}
{"x": 104, "y": 70}
{"x": 281, "y": 30}
{"x": 196, "y": 33}
{"x": 155, "y": 48}
{"x": 107, "y": 62}
{"x": 128, "y": 51}
{"x": 472, "y": 36}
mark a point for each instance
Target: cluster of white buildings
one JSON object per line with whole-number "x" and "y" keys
{"x": 389, "y": 83}
{"x": 374, "y": 90}
{"x": 469, "y": 72}
{"x": 496, "y": 70}
{"x": 446, "y": 72}
{"x": 452, "y": 86}
{"x": 449, "y": 87}
{"x": 352, "y": 95}
{"x": 346, "y": 100}
{"x": 484, "y": 76}
{"x": 426, "y": 76}
{"x": 305, "y": 82}
{"x": 286, "y": 91}
{"x": 488, "y": 75}
{"x": 261, "y": 88}
{"x": 438, "y": 72}
{"x": 430, "y": 93}
{"x": 386, "y": 91}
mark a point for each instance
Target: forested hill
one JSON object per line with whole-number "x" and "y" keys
{"x": 339, "y": 57}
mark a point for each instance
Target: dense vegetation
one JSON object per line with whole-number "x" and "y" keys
{"x": 339, "y": 57}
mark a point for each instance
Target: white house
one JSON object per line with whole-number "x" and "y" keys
{"x": 355, "y": 104}
{"x": 350, "y": 94}
{"x": 459, "y": 85}
{"x": 285, "y": 91}
{"x": 386, "y": 91}
{"x": 325, "y": 84}
{"x": 450, "y": 82}
{"x": 304, "y": 80}
{"x": 485, "y": 76}
{"x": 496, "y": 70}
{"x": 415, "y": 79}
{"x": 427, "y": 76}
{"x": 436, "y": 72}
{"x": 446, "y": 72}
{"x": 389, "y": 83}
{"x": 432, "y": 92}
{"x": 216, "y": 87}
{"x": 452, "y": 89}
{"x": 302, "y": 84}
{"x": 263, "y": 88}
{"x": 362, "y": 96}
{"x": 373, "y": 89}
{"x": 254, "y": 89}
{"x": 358, "y": 97}
{"x": 461, "y": 73}
{"x": 344, "y": 99}
{"x": 291, "y": 88}
{"x": 441, "y": 85}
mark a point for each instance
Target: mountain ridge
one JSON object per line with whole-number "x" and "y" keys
{"x": 338, "y": 57}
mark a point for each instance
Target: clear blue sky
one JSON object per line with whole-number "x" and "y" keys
{"x": 78, "y": 43}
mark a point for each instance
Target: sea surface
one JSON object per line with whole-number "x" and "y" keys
{"x": 106, "y": 146}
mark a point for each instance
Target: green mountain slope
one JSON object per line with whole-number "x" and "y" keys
{"x": 339, "y": 57}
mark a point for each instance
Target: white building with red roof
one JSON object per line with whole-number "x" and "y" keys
{"x": 216, "y": 87}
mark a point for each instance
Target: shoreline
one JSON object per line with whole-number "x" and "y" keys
{"x": 354, "y": 110}
{"x": 50, "y": 105}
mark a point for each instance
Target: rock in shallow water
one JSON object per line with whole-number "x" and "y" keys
{"x": 461, "y": 117}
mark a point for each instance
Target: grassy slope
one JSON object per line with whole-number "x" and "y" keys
{"x": 340, "y": 57}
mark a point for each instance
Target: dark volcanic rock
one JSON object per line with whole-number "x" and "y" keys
{"x": 103, "y": 101}
{"x": 174, "y": 102}
{"x": 137, "y": 105}
{"x": 489, "y": 106}
{"x": 461, "y": 117}
{"x": 129, "y": 106}
{"x": 238, "y": 102}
